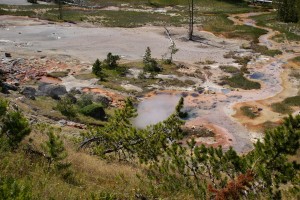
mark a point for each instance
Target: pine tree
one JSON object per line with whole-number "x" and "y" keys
{"x": 147, "y": 57}
{"x": 111, "y": 61}
{"x": 66, "y": 107}
{"x": 287, "y": 10}
{"x": 3, "y": 107}
{"x": 54, "y": 149}
{"x": 11, "y": 189}
{"x": 97, "y": 70}
{"x": 15, "y": 127}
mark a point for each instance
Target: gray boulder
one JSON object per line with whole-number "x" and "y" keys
{"x": 29, "y": 92}
{"x": 54, "y": 91}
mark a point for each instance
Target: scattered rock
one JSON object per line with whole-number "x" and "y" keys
{"x": 8, "y": 55}
{"x": 70, "y": 123}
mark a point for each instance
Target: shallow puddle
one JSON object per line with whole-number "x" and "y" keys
{"x": 155, "y": 109}
{"x": 257, "y": 75}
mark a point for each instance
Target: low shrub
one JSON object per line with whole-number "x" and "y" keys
{"x": 94, "y": 110}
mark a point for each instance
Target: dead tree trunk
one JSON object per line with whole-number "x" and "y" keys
{"x": 191, "y": 19}
{"x": 60, "y": 9}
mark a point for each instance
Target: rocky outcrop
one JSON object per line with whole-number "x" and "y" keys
{"x": 54, "y": 91}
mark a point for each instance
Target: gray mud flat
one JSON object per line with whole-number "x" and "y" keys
{"x": 14, "y": 2}
{"x": 87, "y": 44}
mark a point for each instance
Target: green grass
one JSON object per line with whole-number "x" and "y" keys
{"x": 134, "y": 19}
{"x": 264, "y": 50}
{"x": 229, "y": 69}
{"x": 296, "y": 59}
{"x": 248, "y": 111}
{"x": 221, "y": 25}
{"x": 284, "y": 107}
{"x": 177, "y": 83}
{"x": 281, "y": 108}
{"x": 58, "y": 74}
{"x": 239, "y": 81}
{"x": 85, "y": 76}
{"x": 204, "y": 6}
{"x": 292, "y": 101}
{"x": 18, "y": 13}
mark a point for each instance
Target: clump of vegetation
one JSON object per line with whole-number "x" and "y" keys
{"x": 249, "y": 112}
{"x": 241, "y": 60}
{"x": 14, "y": 189}
{"x": 264, "y": 50}
{"x": 229, "y": 69}
{"x": 287, "y": 10}
{"x": 94, "y": 110}
{"x": 284, "y": 107}
{"x": 296, "y": 59}
{"x": 239, "y": 81}
{"x": 14, "y": 127}
{"x": 97, "y": 70}
{"x": 58, "y": 74}
{"x": 54, "y": 149}
{"x": 66, "y": 106}
{"x": 111, "y": 61}
{"x": 109, "y": 66}
{"x": 281, "y": 108}
{"x": 152, "y": 67}
{"x": 150, "y": 64}
{"x": 292, "y": 101}
{"x": 71, "y": 107}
